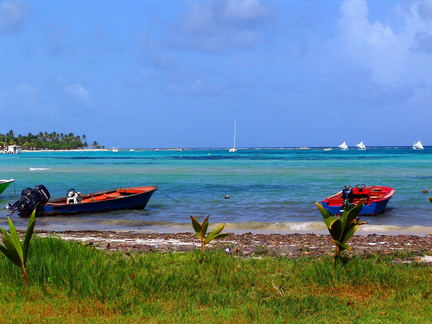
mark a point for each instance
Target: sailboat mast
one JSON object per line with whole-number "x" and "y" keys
{"x": 235, "y": 122}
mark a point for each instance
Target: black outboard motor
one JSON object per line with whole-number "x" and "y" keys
{"x": 29, "y": 200}
{"x": 348, "y": 194}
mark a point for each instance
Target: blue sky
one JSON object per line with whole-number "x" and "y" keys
{"x": 174, "y": 73}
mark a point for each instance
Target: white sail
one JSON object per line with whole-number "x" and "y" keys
{"x": 418, "y": 146}
{"x": 343, "y": 146}
{"x": 361, "y": 146}
{"x": 233, "y": 149}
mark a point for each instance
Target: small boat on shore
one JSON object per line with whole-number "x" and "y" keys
{"x": 374, "y": 199}
{"x": 4, "y": 184}
{"x": 77, "y": 203}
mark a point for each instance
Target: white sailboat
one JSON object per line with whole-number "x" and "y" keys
{"x": 233, "y": 149}
{"x": 343, "y": 146}
{"x": 361, "y": 146}
{"x": 418, "y": 146}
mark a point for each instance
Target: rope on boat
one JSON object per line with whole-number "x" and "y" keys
{"x": 167, "y": 195}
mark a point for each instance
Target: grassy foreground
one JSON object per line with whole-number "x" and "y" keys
{"x": 70, "y": 282}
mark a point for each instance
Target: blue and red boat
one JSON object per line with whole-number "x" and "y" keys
{"x": 374, "y": 199}
{"x": 77, "y": 203}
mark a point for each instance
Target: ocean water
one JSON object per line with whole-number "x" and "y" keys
{"x": 270, "y": 190}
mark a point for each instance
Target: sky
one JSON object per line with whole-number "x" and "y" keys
{"x": 180, "y": 73}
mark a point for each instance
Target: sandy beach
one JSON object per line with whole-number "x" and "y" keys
{"x": 289, "y": 245}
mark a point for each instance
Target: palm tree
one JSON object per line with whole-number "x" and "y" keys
{"x": 95, "y": 145}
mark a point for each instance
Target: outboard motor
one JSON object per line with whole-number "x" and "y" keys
{"x": 348, "y": 194}
{"x": 29, "y": 200}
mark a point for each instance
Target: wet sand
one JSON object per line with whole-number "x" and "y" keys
{"x": 289, "y": 245}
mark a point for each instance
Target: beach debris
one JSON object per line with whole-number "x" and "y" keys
{"x": 425, "y": 191}
{"x": 227, "y": 197}
{"x": 425, "y": 259}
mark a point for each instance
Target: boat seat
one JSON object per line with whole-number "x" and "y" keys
{"x": 361, "y": 196}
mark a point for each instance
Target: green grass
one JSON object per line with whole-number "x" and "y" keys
{"x": 68, "y": 280}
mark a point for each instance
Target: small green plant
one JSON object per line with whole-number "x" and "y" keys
{"x": 341, "y": 228}
{"x": 12, "y": 247}
{"x": 201, "y": 232}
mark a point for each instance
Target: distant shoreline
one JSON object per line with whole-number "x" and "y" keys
{"x": 324, "y": 148}
{"x": 73, "y": 150}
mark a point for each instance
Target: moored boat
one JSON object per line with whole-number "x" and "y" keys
{"x": 374, "y": 199}
{"x": 343, "y": 146}
{"x": 418, "y": 146}
{"x": 4, "y": 184}
{"x": 77, "y": 203}
{"x": 233, "y": 149}
{"x": 361, "y": 146}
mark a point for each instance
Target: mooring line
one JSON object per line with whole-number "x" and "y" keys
{"x": 167, "y": 195}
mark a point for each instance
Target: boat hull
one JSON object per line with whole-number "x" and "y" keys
{"x": 4, "y": 184}
{"x": 375, "y": 200}
{"x": 102, "y": 201}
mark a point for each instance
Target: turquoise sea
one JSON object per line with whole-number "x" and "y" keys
{"x": 270, "y": 190}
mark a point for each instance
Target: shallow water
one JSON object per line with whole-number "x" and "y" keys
{"x": 270, "y": 190}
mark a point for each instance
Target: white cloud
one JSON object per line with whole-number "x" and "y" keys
{"x": 78, "y": 92}
{"x": 74, "y": 91}
{"x": 364, "y": 43}
{"x": 418, "y": 18}
{"x": 12, "y": 16}
{"x": 393, "y": 60}
{"x": 222, "y": 25}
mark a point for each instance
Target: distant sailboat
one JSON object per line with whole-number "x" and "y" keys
{"x": 361, "y": 146}
{"x": 418, "y": 146}
{"x": 233, "y": 149}
{"x": 343, "y": 146}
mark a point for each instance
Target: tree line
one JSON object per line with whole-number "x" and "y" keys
{"x": 45, "y": 140}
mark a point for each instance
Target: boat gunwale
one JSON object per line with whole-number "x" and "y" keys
{"x": 6, "y": 181}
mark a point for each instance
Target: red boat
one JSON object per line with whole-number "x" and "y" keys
{"x": 77, "y": 203}
{"x": 374, "y": 199}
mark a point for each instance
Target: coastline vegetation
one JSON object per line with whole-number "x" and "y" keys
{"x": 73, "y": 281}
{"x": 46, "y": 141}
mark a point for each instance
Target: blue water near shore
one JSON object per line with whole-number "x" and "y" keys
{"x": 270, "y": 190}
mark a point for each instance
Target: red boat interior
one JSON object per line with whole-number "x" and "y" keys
{"x": 358, "y": 193}
{"x": 101, "y": 195}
